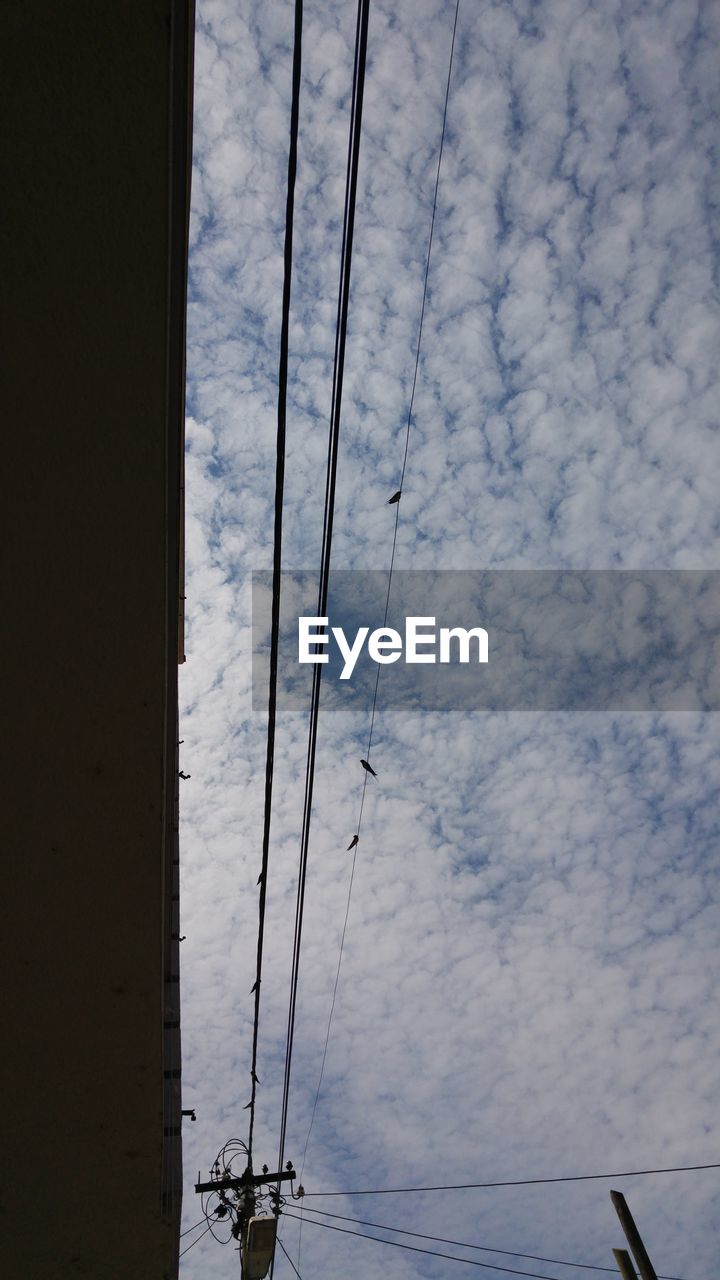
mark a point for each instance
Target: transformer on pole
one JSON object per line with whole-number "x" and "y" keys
{"x": 238, "y": 1197}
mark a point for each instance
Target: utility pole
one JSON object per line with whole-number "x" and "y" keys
{"x": 632, "y": 1235}
{"x": 625, "y": 1266}
{"x": 256, "y": 1233}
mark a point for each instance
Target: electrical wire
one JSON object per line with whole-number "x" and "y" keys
{"x": 335, "y": 988}
{"x": 333, "y": 448}
{"x": 287, "y": 1255}
{"x": 221, "y": 1168}
{"x": 518, "y": 1182}
{"x": 213, "y": 1223}
{"x": 277, "y": 540}
{"x": 189, "y": 1229}
{"x": 351, "y": 182}
{"x": 463, "y": 1244}
{"x": 358, "y": 825}
{"x": 192, "y": 1246}
{"x": 433, "y": 1253}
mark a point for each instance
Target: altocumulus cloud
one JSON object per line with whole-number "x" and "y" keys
{"x": 532, "y": 946}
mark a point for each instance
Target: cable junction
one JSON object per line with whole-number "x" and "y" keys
{"x": 238, "y": 1205}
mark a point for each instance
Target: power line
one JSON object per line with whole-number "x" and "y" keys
{"x": 463, "y": 1244}
{"x": 189, "y": 1229}
{"x": 518, "y": 1182}
{"x": 192, "y": 1246}
{"x": 358, "y": 825}
{"x": 277, "y": 539}
{"x": 287, "y": 1255}
{"x": 427, "y": 264}
{"x": 433, "y": 1253}
{"x": 331, "y": 475}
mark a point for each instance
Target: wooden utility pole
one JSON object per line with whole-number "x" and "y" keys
{"x": 625, "y": 1266}
{"x": 627, "y": 1222}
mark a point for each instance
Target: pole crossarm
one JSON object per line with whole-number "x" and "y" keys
{"x": 246, "y": 1180}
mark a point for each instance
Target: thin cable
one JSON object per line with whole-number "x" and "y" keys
{"x": 358, "y": 826}
{"x": 433, "y": 1253}
{"x": 483, "y": 1248}
{"x": 189, "y": 1229}
{"x": 329, "y": 510}
{"x": 518, "y": 1182}
{"x": 192, "y": 1246}
{"x": 277, "y": 540}
{"x": 341, "y": 330}
{"x": 334, "y": 994}
{"x": 415, "y": 371}
{"x": 432, "y": 230}
{"x": 292, "y": 1264}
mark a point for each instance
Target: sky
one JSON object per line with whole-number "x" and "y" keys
{"x": 528, "y": 984}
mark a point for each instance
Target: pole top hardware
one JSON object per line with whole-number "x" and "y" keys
{"x": 247, "y": 1179}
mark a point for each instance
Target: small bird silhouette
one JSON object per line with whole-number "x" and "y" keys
{"x": 352, "y": 843}
{"x": 368, "y": 768}
{"x": 395, "y": 498}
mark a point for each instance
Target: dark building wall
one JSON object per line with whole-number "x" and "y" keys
{"x": 94, "y": 233}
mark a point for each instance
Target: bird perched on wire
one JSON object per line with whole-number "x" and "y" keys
{"x": 395, "y": 498}
{"x": 352, "y": 843}
{"x": 368, "y": 768}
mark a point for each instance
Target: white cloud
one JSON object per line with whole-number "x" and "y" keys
{"x": 532, "y": 947}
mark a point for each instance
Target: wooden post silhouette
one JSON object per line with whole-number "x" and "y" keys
{"x": 627, "y": 1222}
{"x": 625, "y": 1266}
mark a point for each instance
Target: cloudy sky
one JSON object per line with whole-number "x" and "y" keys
{"x": 529, "y": 976}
